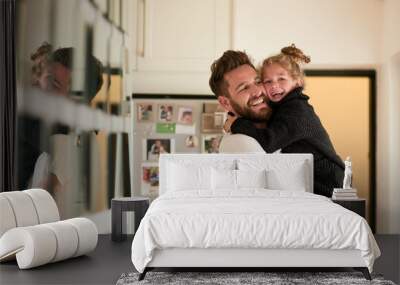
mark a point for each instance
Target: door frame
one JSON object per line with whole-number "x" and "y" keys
{"x": 371, "y": 75}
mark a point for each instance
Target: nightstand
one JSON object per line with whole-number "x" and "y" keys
{"x": 356, "y": 205}
{"x": 139, "y": 205}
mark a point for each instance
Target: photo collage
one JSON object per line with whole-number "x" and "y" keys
{"x": 164, "y": 127}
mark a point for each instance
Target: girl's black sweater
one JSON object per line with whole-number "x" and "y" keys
{"x": 294, "y": 127}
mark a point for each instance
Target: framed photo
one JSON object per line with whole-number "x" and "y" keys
{"x": 150, "y": 179}
{"x": 210, "y": 143}
{"x": 145, "y": 112}
{"x": 219, "y": 119}
{"x": 210, "y": 123}
{"x": 191, "y": 141}
{"x": 185, "y": 115}
{"x": 152, "y": 148}
{"x": 212, "y": 107}
{"x": 165, "y": 112}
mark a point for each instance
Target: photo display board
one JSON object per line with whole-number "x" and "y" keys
{"x": 171, "y": 125}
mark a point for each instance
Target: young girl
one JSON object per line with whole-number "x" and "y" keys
{"x": 294, "y": 127}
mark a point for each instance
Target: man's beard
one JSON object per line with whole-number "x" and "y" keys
{"x": 247, "y": 112}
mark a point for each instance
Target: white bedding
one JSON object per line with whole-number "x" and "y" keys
{"x": 252, "y": 218}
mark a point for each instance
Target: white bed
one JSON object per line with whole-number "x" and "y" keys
{"x": 247, "y": 210}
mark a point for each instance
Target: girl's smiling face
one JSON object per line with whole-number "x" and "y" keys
{"x": 278, "y": 82}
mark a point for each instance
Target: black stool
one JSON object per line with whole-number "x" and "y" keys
{"x": 139, "y": 205}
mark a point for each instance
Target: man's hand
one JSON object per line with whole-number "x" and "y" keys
{"x": 229, "y": 121}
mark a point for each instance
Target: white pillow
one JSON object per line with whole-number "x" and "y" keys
{"x": 251, "y": 179}
{"x": 188, "y": 177}
{"x": 223, "y": 179}
{"x": 293, "y": 178}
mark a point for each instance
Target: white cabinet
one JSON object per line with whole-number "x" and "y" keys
{"x": 177, "y": 40}
{"x": 182, "y": 35}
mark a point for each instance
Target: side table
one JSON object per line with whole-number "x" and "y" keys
{"x": 139, "y": 205}
{"x": 356, "y": 205}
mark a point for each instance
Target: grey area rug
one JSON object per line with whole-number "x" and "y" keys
{"x": 228, "y": 278}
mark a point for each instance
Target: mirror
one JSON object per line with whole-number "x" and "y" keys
{"x": 70, "y": 81}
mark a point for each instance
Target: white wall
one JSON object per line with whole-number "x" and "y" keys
{"x": 388, "y": 123}
{"x": 338, "y": 32}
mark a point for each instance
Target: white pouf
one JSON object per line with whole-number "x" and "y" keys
{"x": 33, "y": 246}
{"x": 23, "y": 208}
{"x": 46, "y": 207}
{"x": 87, "y": 233}
{"x": 67, "y": 239}
{"x": 40, "y": 244}
{"x": 31, "y": 232}
{"x": 7, "y": 218}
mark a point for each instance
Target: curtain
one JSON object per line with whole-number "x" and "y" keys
{"x": 7, "y": 95}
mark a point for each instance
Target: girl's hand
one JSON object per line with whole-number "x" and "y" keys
{"x": 229, "y": 121}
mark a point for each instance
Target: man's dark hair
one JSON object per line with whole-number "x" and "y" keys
{"x": 63, "y": 56}
{"x": 228, "y": 61}
{"x": 94, "y": 68}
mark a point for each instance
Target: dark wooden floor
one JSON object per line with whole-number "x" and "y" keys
{"x": 110, "y": 260}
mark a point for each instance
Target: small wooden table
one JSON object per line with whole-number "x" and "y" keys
{"x": 355, "y": 205}
{"x": 139, "y": 205}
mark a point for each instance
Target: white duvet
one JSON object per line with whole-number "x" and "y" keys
{"x": 250, "y": 219}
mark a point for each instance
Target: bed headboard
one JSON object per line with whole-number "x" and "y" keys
{"x": 281, "y": 163}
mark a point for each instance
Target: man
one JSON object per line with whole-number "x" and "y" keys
{"x": 235, "y": 82}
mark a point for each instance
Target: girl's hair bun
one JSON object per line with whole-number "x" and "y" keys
{"x": 296, "y": 54}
